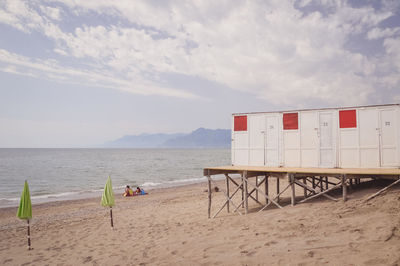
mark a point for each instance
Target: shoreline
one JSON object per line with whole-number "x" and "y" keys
{"x": 88, "y": 194}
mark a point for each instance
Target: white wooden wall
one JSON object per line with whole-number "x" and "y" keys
{"x": 319, "y": 141}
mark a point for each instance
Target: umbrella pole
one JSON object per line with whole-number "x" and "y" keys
{"x": 111, "y": 218}
{"x": 29, "y": 236}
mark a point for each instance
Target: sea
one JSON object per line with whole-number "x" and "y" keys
{"x": 65, "y": 174}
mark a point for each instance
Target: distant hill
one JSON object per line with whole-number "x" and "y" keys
{"x": 200, "y": 138}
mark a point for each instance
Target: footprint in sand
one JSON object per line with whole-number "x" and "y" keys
{"x": 270, "y": 243}
{"x": 310, "y": 254}
{"x": 87, "y": 259}
{"x": 376, "y": 261}
{"x": 7, "y": 261}
{"x": 312, "y": 241}
{"x": 251, "y": 253}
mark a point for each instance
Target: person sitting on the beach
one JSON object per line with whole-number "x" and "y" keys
{"x": 139, "y": 191}
{"x": 128, "y": 192}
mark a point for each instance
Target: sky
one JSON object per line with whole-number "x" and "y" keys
{"x": 81, "y": 73}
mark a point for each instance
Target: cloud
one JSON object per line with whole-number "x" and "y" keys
{"x": 51, "y": 12}
{"x": 272, "y": 49}
{"x": 377, "y": 33}
{"x": 50, "y": 69}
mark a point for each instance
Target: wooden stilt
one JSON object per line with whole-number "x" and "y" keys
{"x": 111, "y": 218}
{"x": 351, "y": 183}
{"x": 277, "y": 189}
{"x": 326, "y": 182}
{"x": 227, "y": 191}
{"x": 313, "y": 183}
{"x": 29, "y": 236}
{"x": 242, "y": 192}
{"x": 257, "y": 186}
{"x": 209, "y": 196}
{"x": 246, "y": 195}
{"x": 305, "y": 190}
{"x": 344, "y": 187}
{"x": 321, "y": 185}
{"x": 293, "y": 195}
{"x": 266, "y": 189}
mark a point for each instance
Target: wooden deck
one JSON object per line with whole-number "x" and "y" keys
{"x": 316, "y": 182}
{"x": 356, "y": 172}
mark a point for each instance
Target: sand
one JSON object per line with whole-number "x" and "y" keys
{"x": 170, "y": 227}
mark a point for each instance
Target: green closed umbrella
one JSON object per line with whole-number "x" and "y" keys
{"x": 107, "y": 199}
{"x": 25, "y": 209}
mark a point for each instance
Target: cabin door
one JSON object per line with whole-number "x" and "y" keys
{"x": 272, "y": 141}
{"x": 369, "y": 137}
{"x": 326, "y": 147}
{"x": 388, "y": 151}
{"x": 256, "y": 140}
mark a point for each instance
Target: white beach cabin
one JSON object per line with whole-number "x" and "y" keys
{"x": 351, "y": 137}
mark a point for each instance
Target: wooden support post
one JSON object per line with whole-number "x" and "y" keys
{"x": 266, "y": 188}
{"x": 344, "y": 187}
{"x": 209, "y": 196}
{"x": 305, "y": 190}
{"x": 246, "y": 195}
{"x": 256, "y": 186}
{"x": 227, "y": 191}
{"x": 321, "y": 185}
{"x": 277, "y": 188}
{"x": 351, "y": 183}
{"x": 293, "y": 195}
{"x": 242, "y": 204}
{"x": 313, "y": 182}
{"x": 29, "y": 236}
{"x": 111, "y": 218}
{"x": 326, "y": 182}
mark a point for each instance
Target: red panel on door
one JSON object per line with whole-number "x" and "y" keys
{"x": 290, "y": 121}
{"x": 240, "y": 123}
{"x": 347, "y": 119}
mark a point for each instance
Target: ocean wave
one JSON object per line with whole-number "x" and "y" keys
{"x": 151, "y": 184}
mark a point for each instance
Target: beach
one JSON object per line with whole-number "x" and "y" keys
{"x": 170, "y": 227}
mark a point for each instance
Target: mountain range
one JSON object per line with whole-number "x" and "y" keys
{"x": 199, "y": 138}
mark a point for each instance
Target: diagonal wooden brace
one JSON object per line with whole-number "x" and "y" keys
{"x": 315, "y": 191}
{"x": 322, "y": 193}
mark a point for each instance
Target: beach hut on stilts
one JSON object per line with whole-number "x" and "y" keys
{"x": 316, "y": 150}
